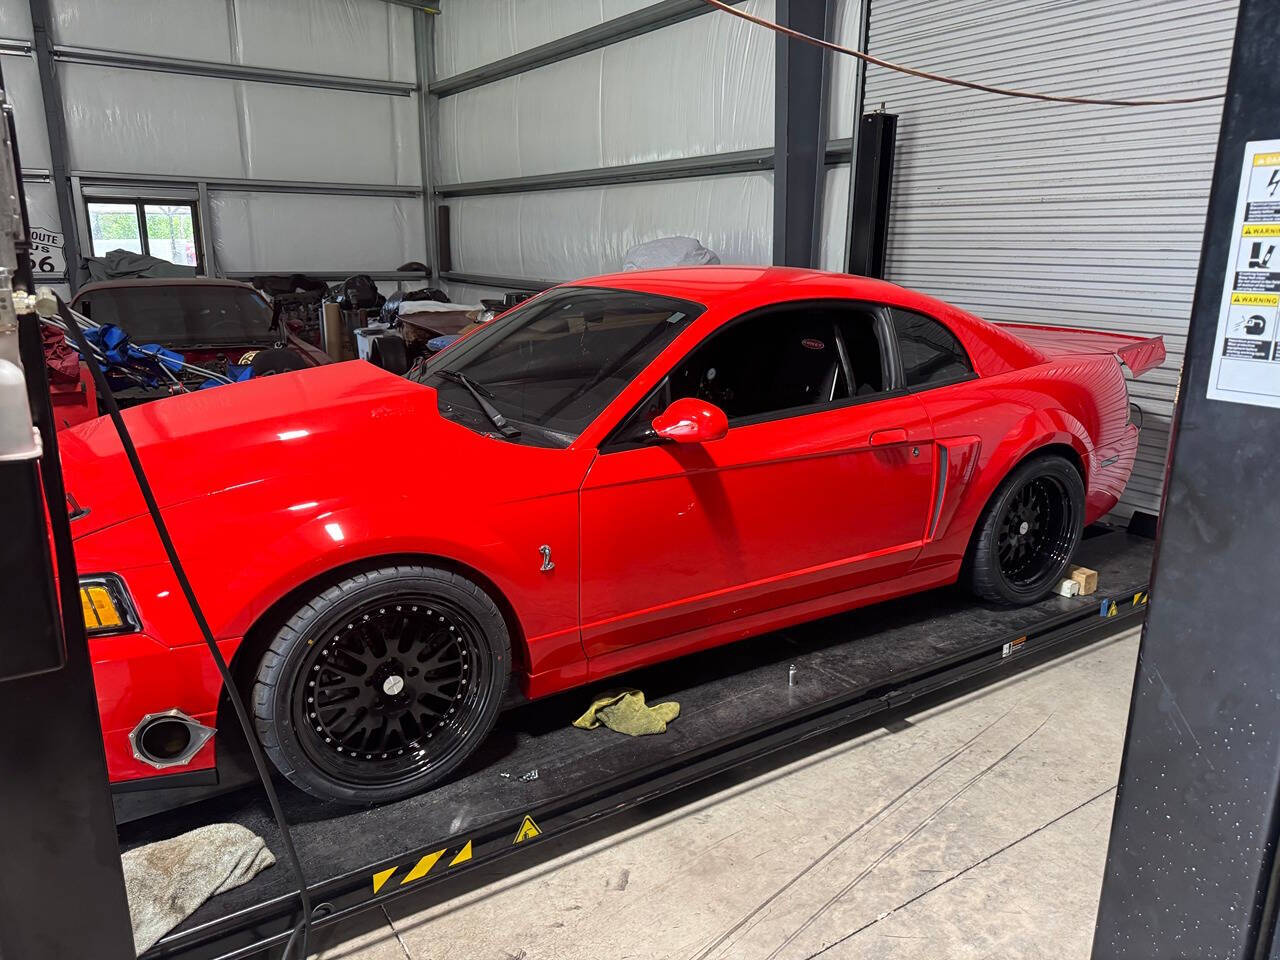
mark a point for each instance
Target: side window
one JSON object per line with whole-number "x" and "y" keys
{"x": 781, "y": 361}
{"x": 931, "y": 354}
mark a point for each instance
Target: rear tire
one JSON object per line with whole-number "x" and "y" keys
{"x": 383, "y": 684}
{"x": 1028, "y": 532}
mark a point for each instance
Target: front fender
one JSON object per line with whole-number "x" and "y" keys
{"x": 242, "y": 557}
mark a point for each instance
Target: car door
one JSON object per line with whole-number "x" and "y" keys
{"x": 821, "y": 485}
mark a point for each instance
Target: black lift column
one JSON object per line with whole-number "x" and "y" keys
{"x": 1192, "y": 856}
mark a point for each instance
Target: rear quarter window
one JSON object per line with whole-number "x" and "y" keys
{"x": 931, "y": 354}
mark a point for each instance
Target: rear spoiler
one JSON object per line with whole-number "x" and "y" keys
{"x": 1136, "y": 353}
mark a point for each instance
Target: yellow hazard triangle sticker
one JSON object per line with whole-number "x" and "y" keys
{"x": 528, "y": 830}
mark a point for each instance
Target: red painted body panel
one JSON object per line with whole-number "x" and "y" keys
{"x": 273, "y": 487}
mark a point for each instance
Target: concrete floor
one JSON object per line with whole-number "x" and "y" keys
{"x": 976, "y": 829}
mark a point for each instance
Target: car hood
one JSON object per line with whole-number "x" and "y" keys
{"x": 279, "y": 427}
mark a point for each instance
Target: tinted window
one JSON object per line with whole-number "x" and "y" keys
{"x": 557, "y": 361}
{"x": 186, "y": 314}
{"x": 779, "y": 361}
{"x": 931, "y": 354}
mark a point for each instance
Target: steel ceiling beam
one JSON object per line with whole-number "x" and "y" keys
{"x": 93, "y": 178}
{"x": 228, "y": 71}
{"x": 741, "y": 161}
{"x": 645, "y": 20}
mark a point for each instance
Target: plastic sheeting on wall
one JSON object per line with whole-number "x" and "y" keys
{"x": 268, "y": 232}
{"x": 355, "y": 38}
{"x": 835, "y": 219}
{"x": 127, "y": 121}
{"x": 476, "y": 32}
{"x": 195, "y": 29}
{"x": 565, "y": 234}
{"x": 22, "y": 85}
{"x": 42, "y": 207}
{"x": 843, "y": 71}
{"x": 702, "y": 86}
{"x": 468, "y": 293}
{"x": 15, "y": 19}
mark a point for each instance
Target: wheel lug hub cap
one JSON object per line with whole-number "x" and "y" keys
{"x": 394, "y": 684}
{"x": 1024, "y": 528}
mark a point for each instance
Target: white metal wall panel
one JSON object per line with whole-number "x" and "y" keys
{"x": 478, "y": 32}
{"x": 279, "y": 231}
{"x": 22, "y": 85}
{"x": 125, "y": 121}
{"x": 1045, "y": 213}
{"x": 565, "y": 234}
{"x": 698, "y": 87}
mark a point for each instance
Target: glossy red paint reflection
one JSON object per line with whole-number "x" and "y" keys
{"x": 274, "y": 487}
{"x": 689, "y": 420}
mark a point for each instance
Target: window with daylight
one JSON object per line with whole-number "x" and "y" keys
{"x": 165, "y": 229}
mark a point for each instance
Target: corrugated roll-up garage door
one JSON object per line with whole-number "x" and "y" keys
{"x": 1082, "y": 216}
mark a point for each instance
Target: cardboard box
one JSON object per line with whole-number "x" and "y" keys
{"x": 1088, "y": 579}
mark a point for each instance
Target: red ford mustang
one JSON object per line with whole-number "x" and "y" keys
{"x": 617, "y": 472}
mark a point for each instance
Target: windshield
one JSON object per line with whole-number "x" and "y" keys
{"x": 555, "y": 363}
{"x": 185, "y": 314}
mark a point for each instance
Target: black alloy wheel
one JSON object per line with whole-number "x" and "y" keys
{"x": 1028, "y": 532}
{"x": 386, "y": 688}
{"x": 1036, "y": 532}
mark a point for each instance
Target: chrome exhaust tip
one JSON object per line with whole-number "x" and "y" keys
{"x": 169, "y": 739}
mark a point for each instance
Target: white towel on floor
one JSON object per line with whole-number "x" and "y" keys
{"x": 166, "y": 881}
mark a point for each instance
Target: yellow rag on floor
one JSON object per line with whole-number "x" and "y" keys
{"x": 626, "y": 712}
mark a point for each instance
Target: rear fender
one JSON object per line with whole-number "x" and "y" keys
{"x": 1038, "y": 430}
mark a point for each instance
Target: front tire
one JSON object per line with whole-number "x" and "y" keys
{"x": 1028, "y": 532}
{"x": 383, "y": 684}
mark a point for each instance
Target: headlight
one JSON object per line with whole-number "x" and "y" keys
{"x": 107, "y": 607}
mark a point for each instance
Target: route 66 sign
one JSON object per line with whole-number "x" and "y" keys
{"x": 47, "y": 256}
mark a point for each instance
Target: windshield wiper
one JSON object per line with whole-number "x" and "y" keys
{"x": 478, "y": 391}
{"x": 463, "y": 380}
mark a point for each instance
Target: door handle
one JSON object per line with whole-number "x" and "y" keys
{"x": 884, "y": 437}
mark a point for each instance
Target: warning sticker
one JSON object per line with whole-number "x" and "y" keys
{"x": 1255, "y": 299}
{"x": 528, "y": 830}
{"x": 1246, "y": 362}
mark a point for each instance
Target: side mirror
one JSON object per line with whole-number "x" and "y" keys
{"x": 688, "y": 420}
